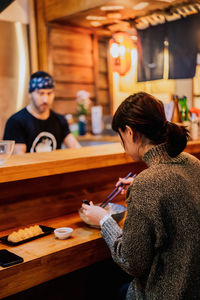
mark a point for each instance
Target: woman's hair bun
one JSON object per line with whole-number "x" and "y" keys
{"x": 176, "y": 138}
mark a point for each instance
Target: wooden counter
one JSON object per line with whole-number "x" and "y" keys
{"x": 99, "y": 138}
{"x": 48, "y": 189}
{"x": 48, "y": 257}
{"x": 32, "y": 165}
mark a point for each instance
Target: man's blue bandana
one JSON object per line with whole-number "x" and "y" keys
{"x": 41, "y": 83}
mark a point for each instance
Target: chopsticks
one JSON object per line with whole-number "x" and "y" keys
{"x": 115, "y": 192}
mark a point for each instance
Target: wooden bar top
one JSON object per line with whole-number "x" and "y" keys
{"x": 48, "y": 257}
{"x": 33, "y": 165}
{"x": 99, "y": 137}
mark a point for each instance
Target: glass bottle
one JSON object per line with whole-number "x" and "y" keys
{"x": 82, "y": 125}
{"x": 176, "y": 116}
{"x": 183, "y": 108}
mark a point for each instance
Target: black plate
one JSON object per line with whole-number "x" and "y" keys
{"x": 46, "y": 230}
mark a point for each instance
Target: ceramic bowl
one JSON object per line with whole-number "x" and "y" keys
{"x": 63, "y": 232}
{"x": 116, "y": 210}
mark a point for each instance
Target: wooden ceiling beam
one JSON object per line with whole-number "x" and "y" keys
{"x": 56, "y": 9}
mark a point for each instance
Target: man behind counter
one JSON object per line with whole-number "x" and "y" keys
{"x": 36, "y": 128}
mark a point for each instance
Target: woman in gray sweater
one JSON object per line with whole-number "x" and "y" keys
{"x": 159, "y": 245}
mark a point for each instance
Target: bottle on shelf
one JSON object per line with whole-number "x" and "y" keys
{"x": 97, "y": 122}
{"x": 183, "y": 108}
{"x": 194, "y": 128}
{"x": 176, "y": 115}
{"x": 82, "y": 125}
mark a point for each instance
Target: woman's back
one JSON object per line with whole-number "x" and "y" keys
{"x": 167, "y": 194}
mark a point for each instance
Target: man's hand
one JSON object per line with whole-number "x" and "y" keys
{"x": 19, "y": 149}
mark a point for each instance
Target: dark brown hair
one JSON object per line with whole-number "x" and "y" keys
{"x": 146, "y": 116}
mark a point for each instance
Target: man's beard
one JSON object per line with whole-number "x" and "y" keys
{"x": 41, "y": 108}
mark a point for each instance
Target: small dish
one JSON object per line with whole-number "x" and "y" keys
{"x": 63, "y": 232}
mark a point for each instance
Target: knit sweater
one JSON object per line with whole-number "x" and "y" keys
{"x": 160, "y": 242}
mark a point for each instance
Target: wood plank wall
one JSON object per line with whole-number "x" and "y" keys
{"x": 72, "y": 64}
{"x": 103, "y": 88}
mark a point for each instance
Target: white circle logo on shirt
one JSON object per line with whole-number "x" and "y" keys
{"x": 44, "y": 142}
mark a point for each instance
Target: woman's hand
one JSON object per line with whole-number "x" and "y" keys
{"x": 93, "y": 213}
{"x": 126, "y": 183}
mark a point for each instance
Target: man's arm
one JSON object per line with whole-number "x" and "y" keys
{"x": 71, "y": 142}
{"x": 14, "y": 130}
{"x": 19, "y": 149}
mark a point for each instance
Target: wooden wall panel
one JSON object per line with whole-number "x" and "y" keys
{"x": 70, "y": 39}
{"x": 103, "y": 65}
{"x": 72, "y": 65}
{"x": 103, "y": 85}
{"x": 69, "y": 90}
{"x": 103, "y": 96}
{"x": 73, "y": 74}
{"x": 103, "y": 50}
{"x": 103, "y": 81}
{"x": 65, "y": 107}
{"x": 106, "y": 110}
{"x": 65, "y": 56}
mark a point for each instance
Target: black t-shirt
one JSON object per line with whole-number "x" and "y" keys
{"x": 38, "y": 135}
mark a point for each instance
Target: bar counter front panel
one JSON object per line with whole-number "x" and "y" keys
{"x": 48, "y": 189}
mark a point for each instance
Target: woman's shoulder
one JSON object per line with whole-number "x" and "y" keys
{"x": 154, "y": 182}
{"x": 190, "y": 158}
{"x": 151, "y": 175}
{"x": 147, "y": 183}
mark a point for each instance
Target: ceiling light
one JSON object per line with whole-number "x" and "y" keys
{"x": 134, "y": 37}
{"x": 95, "y": 23}
{"x": 113, "y": 7}
{"x": 96, "y": 18}
{"x": 140, "y": 5}
{"x": 115, "y": 15}
{"x": 166, "y": 0}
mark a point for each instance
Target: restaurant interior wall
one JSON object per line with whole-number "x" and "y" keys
{"x": 78, "y": 61}
{"x": 74, "y": 70}
{"x": 124, "y": 85}
{"x": 127, "y": 84}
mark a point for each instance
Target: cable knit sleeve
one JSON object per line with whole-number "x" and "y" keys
{"x": 131, "y": 249}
